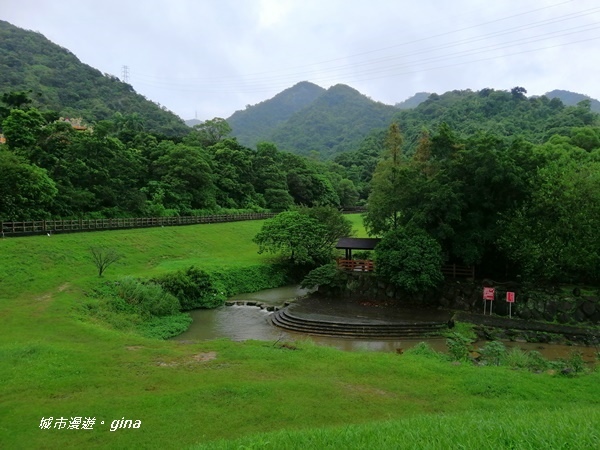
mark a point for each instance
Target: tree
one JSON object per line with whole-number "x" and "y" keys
{"x": 26, "y": 191}
{"x": 554, "y": 235}
{"x": 384, "y": 205}
{"x": 103, "y": 257}
{"x": 409, "y": 259}
{"x": 301, "y": 237}
{"x": 22, "y": 130}
{"x": 185, "y": 175}
{"x": 208, "y": 133}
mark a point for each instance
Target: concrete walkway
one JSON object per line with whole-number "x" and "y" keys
{"x": 351, "y": 311}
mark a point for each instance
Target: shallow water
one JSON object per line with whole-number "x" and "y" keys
{"x": 241, "y": 323}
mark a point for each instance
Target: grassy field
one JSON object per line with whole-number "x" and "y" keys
{"x": 56, "y": 362}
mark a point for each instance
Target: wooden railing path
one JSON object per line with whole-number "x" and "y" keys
{"x": 455, "y": 271}
{"x": 76, "y": 225}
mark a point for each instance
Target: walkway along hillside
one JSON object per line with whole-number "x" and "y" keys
{"x": 69, "y": 226}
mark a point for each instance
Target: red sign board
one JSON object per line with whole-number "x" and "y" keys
{"x": 488, "y": 293}
{"x": 510, "y": 297}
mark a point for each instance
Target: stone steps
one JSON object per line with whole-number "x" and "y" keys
{"x": 352, "y": 329}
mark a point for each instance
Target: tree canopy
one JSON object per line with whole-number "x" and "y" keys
{"x": 303, "y": 237}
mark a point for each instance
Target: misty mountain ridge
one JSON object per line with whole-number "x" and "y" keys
{"x": 572, "y": 98}
{"x": 251, "y": 125}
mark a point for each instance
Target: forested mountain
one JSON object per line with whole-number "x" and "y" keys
{"x": 572, "y": 98}
{"x": 61, "y": 83}
{"x": 509, "y": 116}
{"x": 257, "y": 122}
{"x": 504, "y": 113}
{"x": 335, "y": 122}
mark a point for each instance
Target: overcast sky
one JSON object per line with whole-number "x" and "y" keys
{"x": 209, "y": 58}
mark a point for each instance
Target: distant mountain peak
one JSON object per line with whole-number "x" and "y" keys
{"x": 257, "y": 122}
{"x": 572, "y": 98}
{"x": 414, "y": 101}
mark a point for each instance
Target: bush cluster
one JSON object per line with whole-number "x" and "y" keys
{"x": 154, "y": 308}
{"x": 193, "y": 287}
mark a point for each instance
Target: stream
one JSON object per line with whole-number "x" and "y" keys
{"x": 240, "y": 323}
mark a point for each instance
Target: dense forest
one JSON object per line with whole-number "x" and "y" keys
{"x": 507, "y": 115}
{"x": 114, "y": 168}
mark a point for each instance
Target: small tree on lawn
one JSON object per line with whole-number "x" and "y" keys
{"x": 305, "y": 237}
{"x": 103, "y": 257}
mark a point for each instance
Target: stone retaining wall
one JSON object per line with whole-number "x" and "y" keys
{"x": 551, "y": 304}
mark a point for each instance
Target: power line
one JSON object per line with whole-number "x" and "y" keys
{"x": 302, "y": 70}
{"x": 449, "y": 53}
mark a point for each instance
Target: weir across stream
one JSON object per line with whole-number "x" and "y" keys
{"x": 240, "y": 323}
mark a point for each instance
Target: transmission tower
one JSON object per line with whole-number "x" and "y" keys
{"x": 125, "y": 74}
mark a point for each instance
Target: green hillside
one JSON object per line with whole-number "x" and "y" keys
{"x": 334, "y": 123}
{"x": 257, "y": 122}
{"x": 60, "y": 82}
{"x": 508, "y": 114}
{"x": 454, "y": 118}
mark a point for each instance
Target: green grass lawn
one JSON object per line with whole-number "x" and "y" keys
{"x": 56, "y": 362}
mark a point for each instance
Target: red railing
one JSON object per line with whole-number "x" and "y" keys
{"x": 356, "y": 265}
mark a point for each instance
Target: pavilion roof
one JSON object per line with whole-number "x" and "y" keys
{"x": 357, "y": 243}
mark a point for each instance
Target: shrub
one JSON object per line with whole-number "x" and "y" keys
{"x": 165, "y": 327}
{"x": 192, "y": 287}
{"x": 328, "y": 277}
{"x": 139, "y": 306}
{"x": 493, "y": 352}
{"x": 459, "y": 346}
{"x": 424, "y": 349}
{"x": 196, "y": 288}
{"x": 239, "y": 280}
{"x": 148, "y": 299}
{"x": 517, "y": 359}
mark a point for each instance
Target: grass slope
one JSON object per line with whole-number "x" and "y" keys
{"x": 55, "y": 363}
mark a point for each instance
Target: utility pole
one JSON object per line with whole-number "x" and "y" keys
{"x": 125, "y": 74}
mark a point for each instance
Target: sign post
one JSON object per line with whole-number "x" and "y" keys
{"x": 510, "y": 298}
{"x": 488, "y": 294}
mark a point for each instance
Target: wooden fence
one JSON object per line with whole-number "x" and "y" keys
{"x": 366, "y": 265}
{"x": 456, "y": 271}
{"x": 76, "y": 225}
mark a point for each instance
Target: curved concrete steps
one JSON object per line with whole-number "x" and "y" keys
{"x": 367, "y": 329}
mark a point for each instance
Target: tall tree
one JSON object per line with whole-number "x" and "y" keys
{"x": 384, "y": 205}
